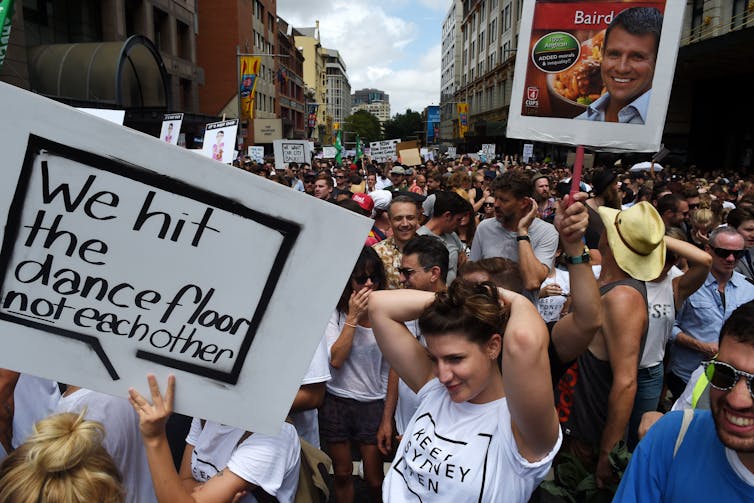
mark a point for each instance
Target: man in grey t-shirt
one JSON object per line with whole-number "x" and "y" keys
{"x": 448, "y": 209}
{"x": 516, "y": 233}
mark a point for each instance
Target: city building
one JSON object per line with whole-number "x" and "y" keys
{"x": 220, "y": 43}
{"x": 319, "y": 120}
{"x": 374, "y": 101}
{"x": 489, "y": 32}
{"x": 133, "y": 55}
{"x": 450, "y": 71}
{"x": 290, "y": 84}
{"x": 338, "y": 88}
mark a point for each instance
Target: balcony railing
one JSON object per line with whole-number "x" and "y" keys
{"x": 709, "y": 28}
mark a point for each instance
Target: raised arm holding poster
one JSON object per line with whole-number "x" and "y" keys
{"x": 123, "y": 256}
{"x": 584, "y": 62}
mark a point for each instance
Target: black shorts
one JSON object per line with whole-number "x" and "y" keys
{"x": 343, "y": 419}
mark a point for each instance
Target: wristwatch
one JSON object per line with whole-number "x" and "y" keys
{"x": 584, "y": 258}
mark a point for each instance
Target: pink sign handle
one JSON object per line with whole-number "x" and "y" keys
{"x": 578, "y": 163}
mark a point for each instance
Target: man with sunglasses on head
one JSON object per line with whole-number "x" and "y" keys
{"x": 702, "y": 455}
{"x": 698, "y": 323}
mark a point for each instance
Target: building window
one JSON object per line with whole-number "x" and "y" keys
{"x": 697, "y": 18}
{"x": 507, "y": 18}
{"x": 493, "y": 30}
{"x": 738, "y": 17}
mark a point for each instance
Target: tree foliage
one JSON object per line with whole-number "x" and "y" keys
{"x": 406, "y": 126}
{"x": 365, "y": 124}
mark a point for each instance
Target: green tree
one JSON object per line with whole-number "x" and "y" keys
{"x": 364, "y": 124}
{"x": 408, "y": 126}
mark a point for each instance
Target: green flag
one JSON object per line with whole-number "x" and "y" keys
{"x": 359, "y": 151}
{"x": 6, "y": 18}
{"x": 338, "y": 149}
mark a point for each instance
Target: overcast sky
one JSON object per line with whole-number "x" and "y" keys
{"x": 393, "y": 45}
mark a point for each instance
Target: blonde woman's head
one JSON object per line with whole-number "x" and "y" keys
{"x": 63, "y": 461}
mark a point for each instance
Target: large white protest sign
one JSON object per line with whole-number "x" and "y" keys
{"x": 384, "y": 150}
{"x": 115, "y": 116}
{"x": 329, "y": 152}
{"x": 564, "y": 87}
{"x": 220, "y": 140}
{"x": 171, "y": 128}
{"x": 122, "y": 256}
{"x": 288, "y": 151}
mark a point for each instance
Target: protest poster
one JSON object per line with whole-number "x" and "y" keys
{"x": 488, "y": 149}
{"x": 256, "y": 153}
{"x": 287, "y": 151}
{"x": 408, "y": 153}
{"x": 329, "y": 152}
{"x": 568, "y": 89}
{"x": 382, "y": 151}
{"x": 528, "y": 152}
{"x": 451, "y": 152}
{"x": 171, "y": 128}
{"x": 220, "y": 140}
{"x": 123, "y": 256}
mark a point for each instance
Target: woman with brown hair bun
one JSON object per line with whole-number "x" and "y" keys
{"x": 475, "y": 436}
{"x": 63, "y": 461}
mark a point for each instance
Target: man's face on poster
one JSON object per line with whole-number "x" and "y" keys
{"x": 628, "y": 64}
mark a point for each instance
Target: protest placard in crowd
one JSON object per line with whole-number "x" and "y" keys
{"x": 122, "y": 256}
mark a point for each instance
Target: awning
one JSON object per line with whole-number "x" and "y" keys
{"x": 127, "y": 74}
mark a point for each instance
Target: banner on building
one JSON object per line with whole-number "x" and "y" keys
{"x": 249, "y": 71}
{"x": 463, "y": 119}
{"x": 171, "y": 128}
{"x": 569, "y": 84}
{"x": 311, "y": 113}
{"x": 433, "y": 123}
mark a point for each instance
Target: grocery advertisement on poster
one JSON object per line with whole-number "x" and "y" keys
{"x": 597, "y": 74}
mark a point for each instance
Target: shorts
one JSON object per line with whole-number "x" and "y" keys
{"x": 343, "y": 419}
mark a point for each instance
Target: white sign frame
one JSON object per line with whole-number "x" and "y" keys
{"x": 288, "y": 151}
{"x": 383, "y": 151}
{"x": 256, "y": 153}
{"x": 604, "y": 135}
{"x": 170, "y": 130}
{"x": 229, "y": 130}
{"x": 254, "y": 394}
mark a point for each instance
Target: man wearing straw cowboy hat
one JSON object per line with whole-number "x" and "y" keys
{"x": 596, "y": 395}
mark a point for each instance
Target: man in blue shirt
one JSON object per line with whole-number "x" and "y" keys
{"x": 702, "y": 315}
{"x": 713, "y": 458}
{"x": 629, "y": 55}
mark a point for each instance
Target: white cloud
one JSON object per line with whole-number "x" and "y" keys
{"x": 378, "y": 47}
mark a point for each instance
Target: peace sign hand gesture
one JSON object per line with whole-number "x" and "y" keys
{"x": 152, "y": 417}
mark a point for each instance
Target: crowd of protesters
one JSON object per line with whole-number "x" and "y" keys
{"x": 502, "y": 337}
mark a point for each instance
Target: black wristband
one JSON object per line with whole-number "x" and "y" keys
{"x": 525, "y": 237}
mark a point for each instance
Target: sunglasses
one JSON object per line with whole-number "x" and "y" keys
{"x": 339, "y": 177}
{"x": 693, "y": 206}
{"x": 407, "y": 271}
{"x": 725, "y": 253}
{"x": 724, "y": 376}
{"x": 361, "y": 279}
{"x": 488, "y": 205}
